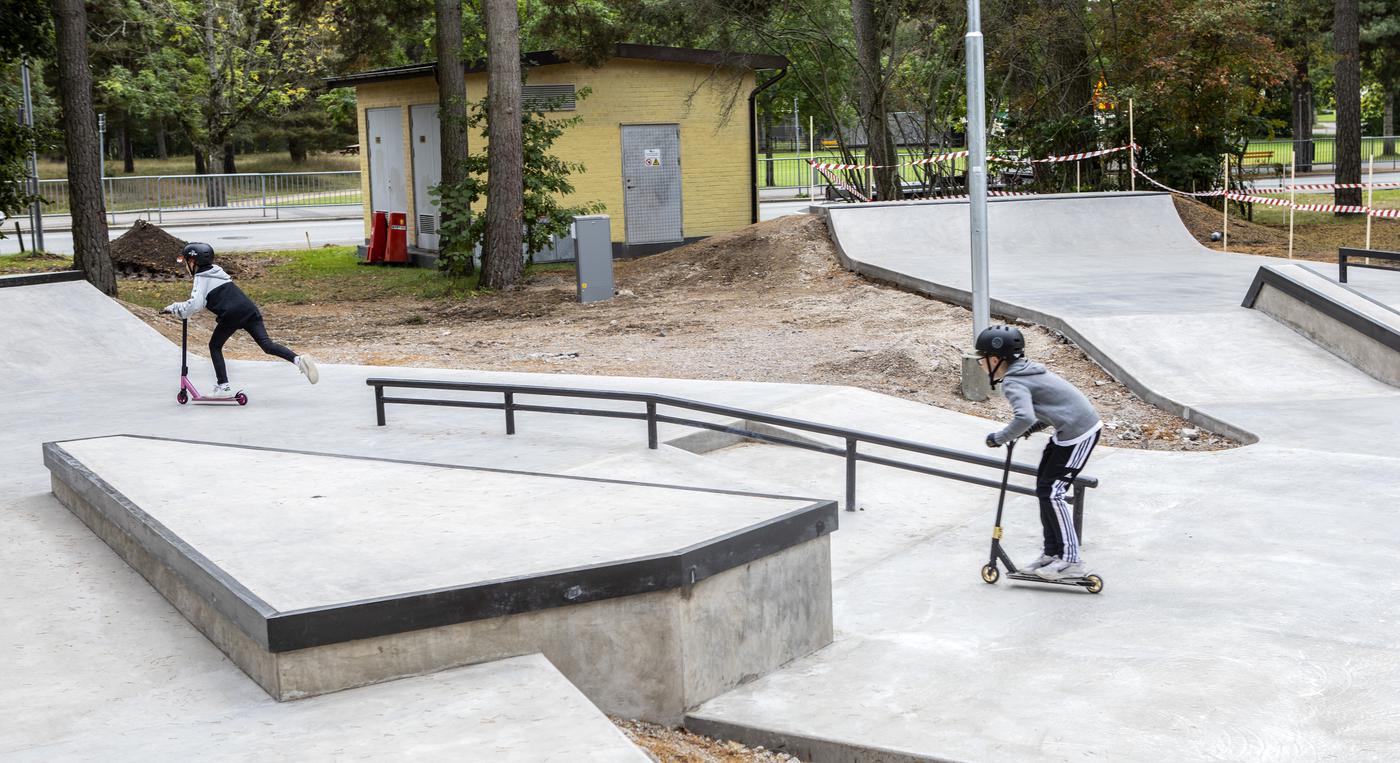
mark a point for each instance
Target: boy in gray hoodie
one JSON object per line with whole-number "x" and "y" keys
{"x": 214, "y": 289}
{"x": 1041, "y": 399}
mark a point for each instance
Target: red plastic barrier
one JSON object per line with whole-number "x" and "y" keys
{"x": 398, "y": 238}
{"x": 378, "y": 238}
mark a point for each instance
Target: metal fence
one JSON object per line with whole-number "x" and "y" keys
{"x": 265, "y": 192}
{"x": 1318, "y": 153}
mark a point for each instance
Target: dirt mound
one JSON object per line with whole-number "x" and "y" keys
{"x": 147, "y": 252}
{"x": 1203, "y": 220}
{"x": 786, "y": 250}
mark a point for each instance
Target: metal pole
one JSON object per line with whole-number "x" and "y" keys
{"x": 977, "y": 170}
{"x": 1132, "y": 150}
{"x": 1225, "y": 205}
{"x": 36, "y": 210}
{"x": 851, "y": 471}
{"x": 1292, "y": 198}
{"x": 811, "y": 156}
{"x": 1370, "y": 197}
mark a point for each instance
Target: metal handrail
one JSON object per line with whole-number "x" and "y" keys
{"x": 851, "y": 437}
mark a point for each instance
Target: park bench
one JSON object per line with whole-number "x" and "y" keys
{"x": 1261, "y": 160}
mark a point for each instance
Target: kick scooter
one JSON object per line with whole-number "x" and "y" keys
{"x": 188, "y": 391}
{"x": 990, "y": 573}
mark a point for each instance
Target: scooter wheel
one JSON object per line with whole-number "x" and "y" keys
{"x": 241, "y": 398}
{"x": 182, "y": 397}
{"x": 990, "y": 573}
{"x": 1095, "y": 583}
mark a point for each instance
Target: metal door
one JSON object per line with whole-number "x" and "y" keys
{"x": 384, "y": 130}
{"x": 651, "y": 183}
{"x": 427, "y": 172}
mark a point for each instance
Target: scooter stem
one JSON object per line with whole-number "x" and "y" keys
{"x": 184, "y": 343}
{"x": 1005, "y": 480}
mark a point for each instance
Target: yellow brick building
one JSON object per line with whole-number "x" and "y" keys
{"x": 666, "y": 139}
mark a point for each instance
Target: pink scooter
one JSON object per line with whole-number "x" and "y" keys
{"x": 187, "y": 389}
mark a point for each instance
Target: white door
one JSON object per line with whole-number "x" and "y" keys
{"x": 427, "y": 172}
{"x": 384, "y": 128}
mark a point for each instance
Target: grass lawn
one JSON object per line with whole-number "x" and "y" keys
{"x": 184, "y": 165}
{"x": 298, "y": 276}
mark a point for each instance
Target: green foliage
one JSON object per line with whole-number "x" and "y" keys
{"x": 546, "y": 180}
{"x": 26, "y": 32}
{"x": 339, "y": 104}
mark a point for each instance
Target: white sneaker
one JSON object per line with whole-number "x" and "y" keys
{"x": 307, "y": 366}
{"x": 1061, "y": 570}
{"x": 220, "y": 392}
{"x": 1037, "y": 564}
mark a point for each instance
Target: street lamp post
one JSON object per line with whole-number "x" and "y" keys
{"x": 975, "y": 385}
{"x": 36, "y": 212}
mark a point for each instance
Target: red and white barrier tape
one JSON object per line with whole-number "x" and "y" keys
{"x": 1169, "y": 189}
{"x": 1323, "y": 187}
{"x": 963, "y": 154}
{"x": 1350, "y": 209}
{"x": 1065, "y": 158}
{"x": 839, "y": 183}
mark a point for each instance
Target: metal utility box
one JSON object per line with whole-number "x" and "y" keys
{"x": 593, "y": 254}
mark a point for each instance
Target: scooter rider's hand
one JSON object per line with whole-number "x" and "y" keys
{"x": 992, "y": 441}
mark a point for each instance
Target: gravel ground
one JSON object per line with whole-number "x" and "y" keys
{"x": 680, "y": 746}
{"x": 766, "y": 303}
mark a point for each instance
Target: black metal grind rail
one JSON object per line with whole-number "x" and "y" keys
{"x": 653, "y": 417}
{"x": 1347, "y": 258}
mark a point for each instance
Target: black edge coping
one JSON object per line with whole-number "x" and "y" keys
{"x": 510, "y": 596}
{"x": 221, "y": 590}
{"x": 34, "y": 279}
{"x": 1363, "y": 324}
{"x": 300, "y": 629}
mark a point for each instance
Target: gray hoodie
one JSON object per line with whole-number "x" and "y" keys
{"x": 1037, "y": 395}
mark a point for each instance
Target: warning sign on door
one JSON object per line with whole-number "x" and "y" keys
{"x": 651, "y": 157}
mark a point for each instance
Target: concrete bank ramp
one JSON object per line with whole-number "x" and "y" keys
{"x": 1346, "y": 323}
{"x": 1121, "y": 276}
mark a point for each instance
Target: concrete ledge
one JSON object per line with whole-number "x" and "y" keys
{"x": 803, "y": 746}
{"x": 32, "y": 279}
{"x": 1346, "y": 323}
{"x": 963, "y": 298}
{"x": 644, "y": 634}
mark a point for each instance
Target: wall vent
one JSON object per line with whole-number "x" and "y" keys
{"x": 549, "y": 97}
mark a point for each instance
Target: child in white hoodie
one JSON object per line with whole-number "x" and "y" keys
{"x": 214, "y": 289}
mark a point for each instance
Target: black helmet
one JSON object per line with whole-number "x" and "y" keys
{"x": 197, "y": 256}
{"x": 1001, "y": 342}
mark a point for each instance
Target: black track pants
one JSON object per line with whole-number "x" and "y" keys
{"x": 255, "y": 329}
{"x": 1058, "y": 467}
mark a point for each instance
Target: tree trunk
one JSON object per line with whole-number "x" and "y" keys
{"x": 503, "y": 264}
{"x": 879, "y": 149}
{"x": 162, "y": 151}
{"x": 452, "y": 103}
{"x": 1302, "y": 117}
{"x": 230, "y": 166}
{"x": 90, "y": 253}
{"x": 296, "y": 148}
{"x": 128, "y": 154}
{"x": 1347, "y": 75}
{"x": 1388, "y": 121}
{"x": 201, "y": 164}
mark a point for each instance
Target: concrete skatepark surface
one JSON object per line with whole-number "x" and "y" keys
{"x": 1243, "y": 616}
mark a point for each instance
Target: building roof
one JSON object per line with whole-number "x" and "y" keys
{"x": 549, "y": 58}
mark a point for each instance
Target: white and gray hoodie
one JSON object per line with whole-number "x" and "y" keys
{"x": 215, "y": 289}
{"x": 1037, "y": 395}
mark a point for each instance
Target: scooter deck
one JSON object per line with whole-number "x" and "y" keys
{"x": 1089, "y": 581}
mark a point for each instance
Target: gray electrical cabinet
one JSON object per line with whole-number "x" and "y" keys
{"x": 593, "y": 253}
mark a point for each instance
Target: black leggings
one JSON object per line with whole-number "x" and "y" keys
{"x": 255, "y": 329}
